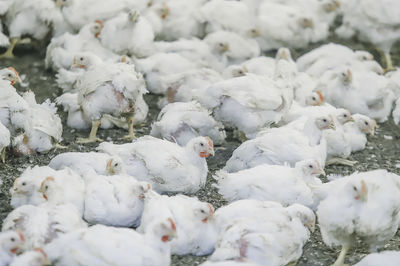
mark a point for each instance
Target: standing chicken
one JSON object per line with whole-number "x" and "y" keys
{"x": 361, "y": 206}
{"x": 113, "y": 89}
{"x": 32, "y": 18}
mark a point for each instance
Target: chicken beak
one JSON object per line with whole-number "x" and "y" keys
{"x": 351, "y": 119}
{"x": 319, "y": 171}
{"x": 311, "y": 226}
{"x": 225, "y": 48}
{"x": 308, "y": 23}
{"x": 332, "y": 125}
{"x": 109, "y": 171}
{"x": 348, "y": 77}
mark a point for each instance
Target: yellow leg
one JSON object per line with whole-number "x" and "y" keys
{"x": 93, "y": 134}
{"x": 9, "y": 52}
{"x": 3, "y": 155}
{"x": 131, "y": 134}
{"x": 389, "y": 63}
{"x": 340, "y": 260}
{"x": 59, "y": 146}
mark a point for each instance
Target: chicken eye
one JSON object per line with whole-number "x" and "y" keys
{"x": 23, "y": 183}
{"x": 313, "y": 98}
{"x": 354, "y": 188}
{"x": 366, "y": 123}
{"x": 46, "y": 187}
{"x": 9, "y": 75}
{"x": 201, "y": 144}
{"x": 345, "y": 115}
{"x": 81, "y": 58}
{"x": 324, "y": 120}
{"x": 116, "y": 164}
{"x": 12, "y": 239}
{"x": 310, "y": 166}
{"x": 202, "y": 211}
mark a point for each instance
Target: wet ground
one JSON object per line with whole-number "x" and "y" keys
{"x": 382, "y": 151}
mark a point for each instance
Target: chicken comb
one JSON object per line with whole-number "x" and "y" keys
{"x": 321, "y": 96}
{"x": 41, "y": 251}
{"x": 173, "y": 226}
{"x": 98, "y": 21}
{"x": 14, "y": 70}
{"x": 210, "y": 142}
{"x": 21, "y": 235}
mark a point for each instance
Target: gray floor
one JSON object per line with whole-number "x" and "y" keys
{"x": 381, "y": 152}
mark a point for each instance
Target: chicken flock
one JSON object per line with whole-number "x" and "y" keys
{"x": 205, "y": 61}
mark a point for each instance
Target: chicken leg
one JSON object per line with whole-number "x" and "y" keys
{"x": 93, "y": 134}
{"x": 9, "y": 52}
{"x": 340, "y": 260}
{"x": 131, "y": 134}
{"x": 388, "y": 61}
{"x": 3, "y": 155}
{"x": 341, "y": 161}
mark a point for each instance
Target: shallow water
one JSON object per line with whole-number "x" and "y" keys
{"x": 381, "y": 152}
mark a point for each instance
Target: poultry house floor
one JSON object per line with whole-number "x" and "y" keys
{"x": 383, "y": 151}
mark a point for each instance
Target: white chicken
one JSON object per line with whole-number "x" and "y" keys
{"x": 232, "y": 48}
{"x": 388, "y": 258}
{"x": 10, "y": 243}
{"x": 333, "y": 56}
{"x": 157, "y": 65}
{"x": 360, "y": 92}
{"x": 265, "y": 182}
{"x": 369, "y": 209}
{"x": 275, "y": 238}
{"x": 66, "y": 187}
{"x": 373, "y": 21}
{"x": 42, "y": 224}
{"x": 10, "y": 74}
{"x": 188, "y": 85}
{"x": 234, "y": 16}
{"x": 44, "y": 130}
{"x": 194, "y": 222}
{"x": 177, "y": 19}
{"x": 195, "y": 50}
{"x": 101, "y": 245}
{"x": 4, "y": 141}
{"x": 14, "y": 110}
{"x": 128, "y": 33}
{"x": 30, "y": 18}
{"x": 167, "y": 166}
{"x": 282, "y": 23}
{"x": 181, "y": 122}
{"x": 113, "y": 89}
{"x": 88, "y": 162}
{"x": 78, "y": 13}
{"x": 26, "y": 186}
{"x": 248, "y": 103}
{"x": 62, "y": 49}
{"x": 356, "y": 131}
{"x": 114, "y": 200}
{"x": 283, "y": 145}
